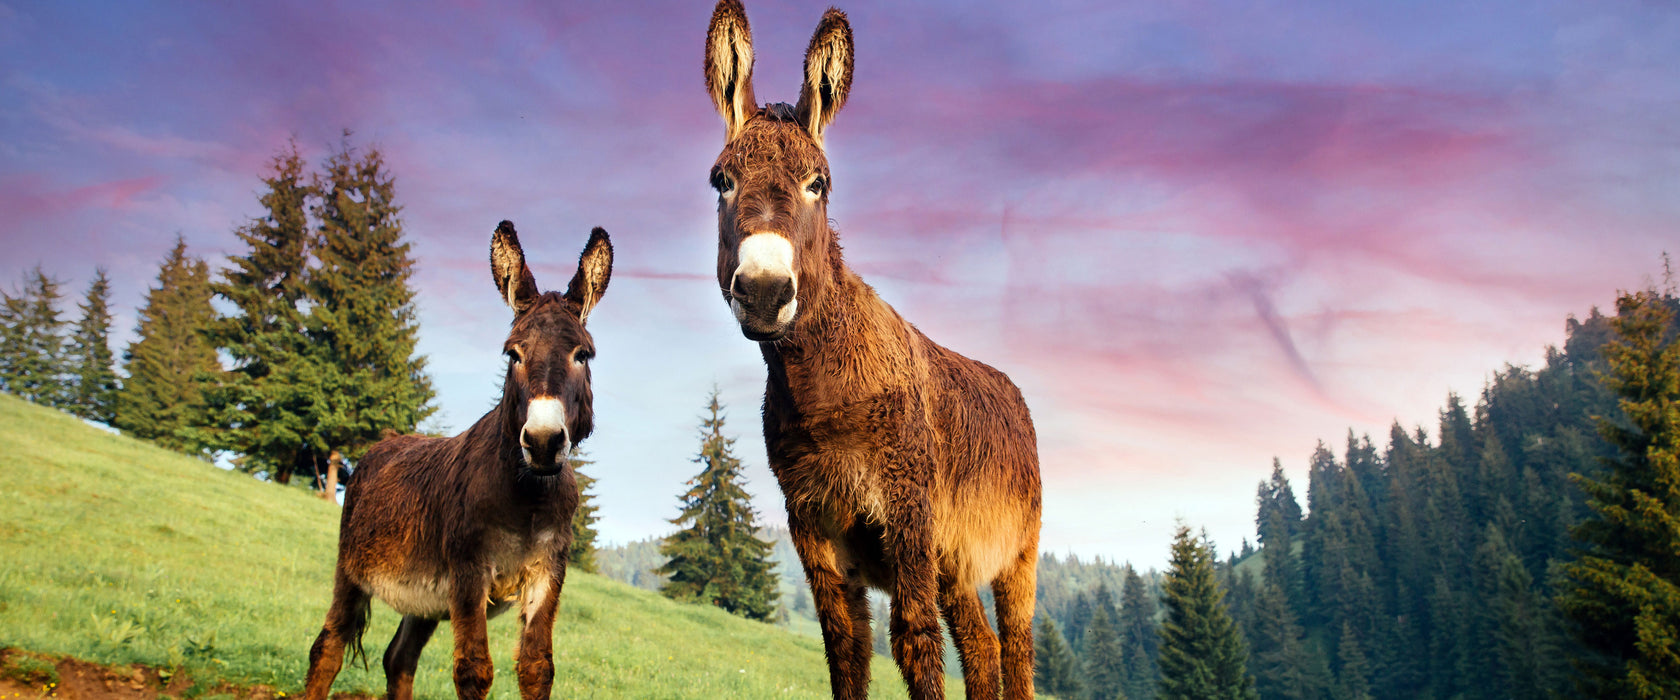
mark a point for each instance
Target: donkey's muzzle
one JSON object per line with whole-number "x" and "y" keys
{"x": 544, "y": 440}
{"x": 762, "y": 291}
{"x": 545, "y": 451}
{"x": 764, "y": 305}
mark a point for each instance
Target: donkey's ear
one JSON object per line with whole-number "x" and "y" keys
{"x": 729, "y": 66}
{"x": 828, "y": 73}
{"x": 594, "y": 269}
{"x": 507, "y": 265}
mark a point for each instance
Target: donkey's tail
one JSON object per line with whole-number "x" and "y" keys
{"x": 357, "y": 627}
{"x": 348, "y": 618}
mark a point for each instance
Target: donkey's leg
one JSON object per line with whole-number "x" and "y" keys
{"x": 977, "y": 647}
{"x": 916, "y": 643}
{"x": 534, "y": 659}
{"x": 1016, "y": 590}
{"x": 848, "y": 680}
{"x": 473, "y": 671}
{"x": 345, "y": 619}
{"x": 861, "y": 648}
{"x": 403, "y": 656}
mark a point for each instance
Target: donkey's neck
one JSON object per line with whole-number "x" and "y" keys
{"x": 493, "y": 437}
{"x": 849, "y": 343}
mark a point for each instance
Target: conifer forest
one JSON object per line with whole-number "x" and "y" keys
{"x": 1526, "y": 544}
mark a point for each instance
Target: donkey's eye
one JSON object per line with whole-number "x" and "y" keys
{"x": 583, "y": 355}
{"x": 514, "y": 356}
{"x": 722, "y": 183}
{"x": 818, "y": 186}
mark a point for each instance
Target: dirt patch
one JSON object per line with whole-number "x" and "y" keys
{"x": 25, "y": 675}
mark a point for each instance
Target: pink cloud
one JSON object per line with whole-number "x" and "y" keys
{"x": 32, "y": 196}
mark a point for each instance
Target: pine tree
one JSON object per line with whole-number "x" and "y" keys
{"x": 1202, "y": 656}
{"x": 1352, "y": 681}
{"x": 1279, "y": 657}
{"x": 1623, "y": 591}
{"x": 1520, "y": 630}
{"x": 1490, "y": 559}
{"x": 582, "y": 555}
{"x": 160, "y": 400}
{"x": 1275, "y": 497}
{"x": 95, "y": 387}
{"x": 37, "y": 370}
{"x": 13, "y": 314}
{"x": 717, "y": 558}
{"x": 263, "y": 407}
{"x": 361, "y": 323}
{"x": 1139, "y": 643}
{"x": 1057, "y": 671}
{"x": 1077, "y": 619}
{"x": 1104, "y": 665}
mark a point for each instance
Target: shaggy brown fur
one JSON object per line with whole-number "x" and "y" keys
{"x": 463, "y": 528}
{"x": 905, "y": 466}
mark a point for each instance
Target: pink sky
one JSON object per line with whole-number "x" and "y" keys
{"x": 1197, "y": 235}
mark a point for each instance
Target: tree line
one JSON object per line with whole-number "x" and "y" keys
{"x": 1529, "y": 549}
{"x": 293, "y": 359}
{"x": 44, "y": 360}
{"x": 301, "y": 347}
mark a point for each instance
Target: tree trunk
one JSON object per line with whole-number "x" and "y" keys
{"x": 283, "y": 473}
{"x": 331, "y": 491}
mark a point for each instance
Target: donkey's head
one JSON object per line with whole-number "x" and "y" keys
{"x": 775, "y": 249}
{"x": 546, "y": 397}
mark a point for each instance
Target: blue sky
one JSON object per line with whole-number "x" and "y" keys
{"x": 1198, "y": 235}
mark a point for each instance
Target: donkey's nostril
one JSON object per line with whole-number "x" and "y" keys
{"x": 543, "y": 448}
{"x": 767, "y": 292}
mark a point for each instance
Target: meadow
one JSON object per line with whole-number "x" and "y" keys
{"x": 116, "y": 551}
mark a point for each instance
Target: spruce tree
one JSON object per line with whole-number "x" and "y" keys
{"x": 1104, "y": 665}
{"x": 1276, "y": 498}
{"x": 263, "y": 406}
{"x": 717, "y": 558}
{"x": 1352, "y": 681}
{"x": 1486, "y": 618}
{"x": 37, "y": 372}
{"x": 1057, "y": 671}
{"x": 1139, "y": 643}
{"x": 582, "y": 555}
{"x": 1520, "y": 630}
{"x": 1279, "y": 656}
{"x": 13, "y": 312}
{"x": 1623, "y": 590}
{"x": 160, "y": 400}
{"x": 1077, "y": 619}
{"x": 1202, "y": 655}
{"x": 95, "y": 387}
{"x": 364, "y": 376}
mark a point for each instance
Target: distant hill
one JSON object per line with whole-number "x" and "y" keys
{"x": 119, "y": 552}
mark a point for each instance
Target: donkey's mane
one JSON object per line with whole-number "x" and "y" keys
{"x": 777, "y": 112}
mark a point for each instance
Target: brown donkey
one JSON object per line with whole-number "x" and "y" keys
{"x": 905, "y": 466}
{"x": 466, "y": 527}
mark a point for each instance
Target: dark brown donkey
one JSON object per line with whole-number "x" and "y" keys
{"x": 906, "y": 466}
{"x": 463, "y": 528}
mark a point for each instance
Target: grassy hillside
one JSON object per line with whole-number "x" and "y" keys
{"x": 117, "y": 551}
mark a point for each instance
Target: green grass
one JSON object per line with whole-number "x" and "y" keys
{"x": 29, "y": 670}
{"x": 117, "y": 551}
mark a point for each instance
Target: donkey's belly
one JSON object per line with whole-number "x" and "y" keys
{"x": 514, "y": 563}
{"x": 422, "y": 596}
{"x": 430, "y": 599}
{"x": 974, "y": 532}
